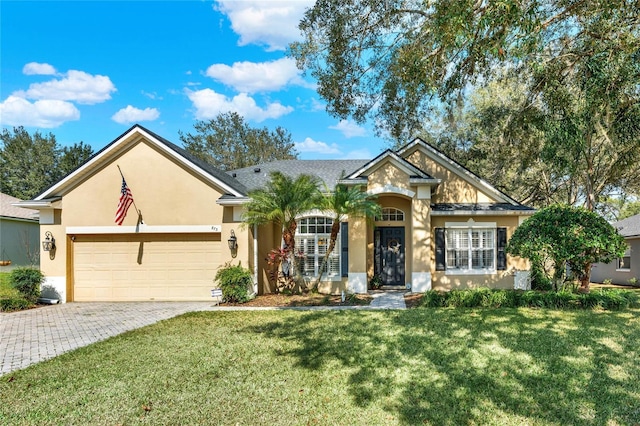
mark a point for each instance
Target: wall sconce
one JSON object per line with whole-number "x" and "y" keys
{"x": 49, "y": 242}
{"x": 233, "y": 244}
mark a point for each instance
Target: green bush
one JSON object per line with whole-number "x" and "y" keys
{"x": 27, "y": 281}
{"x": 485, "y": 298}
{"x": 235, "y": 282}
{"x": 14, "y": 304}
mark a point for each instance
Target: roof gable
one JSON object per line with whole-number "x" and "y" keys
{"x": 10, "y": 210}
{"x": 389, "y": 156}
{"x": 462, "y": 172}
{"x": 131, "y": 137}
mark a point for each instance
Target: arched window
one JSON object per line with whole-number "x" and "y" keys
{"x": 312, "y": 241}
{"x": 391, "y": 214}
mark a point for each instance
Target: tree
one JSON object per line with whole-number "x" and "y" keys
{"x": 344, "y": 201}
{"x": 29, "y": 164}
{"x": 280, "y": 202}
{"x": 567, "y": 236}
{"x": 71, "y": 157}
{"x": 392, "y": 59}
{"x": 229, "y": 143}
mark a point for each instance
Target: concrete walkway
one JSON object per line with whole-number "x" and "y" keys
{"x": 35, "y": 335}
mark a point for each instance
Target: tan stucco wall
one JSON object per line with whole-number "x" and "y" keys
{"x": 453, "y": 188}
{"x": 388, "y": 174}
{"x": 165, "y": 192}
{"x": 441, "y": 280}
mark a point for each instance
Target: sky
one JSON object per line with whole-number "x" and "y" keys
{"x": 86, "y": 71}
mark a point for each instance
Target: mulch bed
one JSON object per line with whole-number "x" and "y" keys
{"x": 316, "y": 299}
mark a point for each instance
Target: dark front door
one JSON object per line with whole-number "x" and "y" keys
{"x": 389, "y": 255}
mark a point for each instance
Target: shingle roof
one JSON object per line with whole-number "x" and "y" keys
{"x": 329, "y": 171}
{"x": 629, "y": 227}
{"x": 496, "y": 207}
{"x": 9, "y": 210}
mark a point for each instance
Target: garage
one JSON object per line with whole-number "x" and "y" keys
{"x": 137, "y": 267}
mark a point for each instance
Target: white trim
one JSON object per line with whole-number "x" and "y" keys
{"x": 127, "y": 138}
{"x": 420, "y": 282}
{"x": 470, "y": 224}
{"x": 232, "y": 201}
{"x": 390, "y": 189}
{"x": 357, "y": 282}
{"x": 470, "y": 271}
{"x": 445, "y": 161}
{"x": 145, "y": 229}
{"x": 623, "y": 270}
{"x": 483, "y": 213}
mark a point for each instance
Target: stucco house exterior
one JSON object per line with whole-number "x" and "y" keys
{"x": 442, "y": 227}
{"x": 626, "y": 268}
{"x": 19, "y": 234}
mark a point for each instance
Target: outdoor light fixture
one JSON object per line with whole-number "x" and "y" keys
{"x": 233, "y": 244}
{"x": 49, "y": 242}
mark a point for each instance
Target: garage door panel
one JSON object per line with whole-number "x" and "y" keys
{"x": 145, "y": 267}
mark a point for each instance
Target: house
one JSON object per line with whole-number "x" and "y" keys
{"x": 442, "y": 227}
{"x": 19, "y": 234}
{"x": 626, "y": 269}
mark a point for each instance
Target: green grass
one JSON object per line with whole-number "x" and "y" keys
{"x": 5, "y": 288}
{"x": 418, "y": 366}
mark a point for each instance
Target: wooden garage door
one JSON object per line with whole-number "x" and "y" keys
{"x": 145, "y": 267}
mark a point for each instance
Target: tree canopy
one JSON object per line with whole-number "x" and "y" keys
{"x": 228, "y": 142}
{"x": 567, "y": 236}
{"x": 567, "y": 127}
{"x": 31, "y": 163}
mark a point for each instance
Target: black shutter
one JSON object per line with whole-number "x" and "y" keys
{"x": 502, "y": 244}
{"x": 440, "y": 250}
{"x": 344, "y": 248}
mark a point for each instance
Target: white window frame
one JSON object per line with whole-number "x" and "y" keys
{"x": 627, "y": 254}
{"x": 390, "y": 214}
{"x": 317, "y": 240}
{"x": 469, "y": 228}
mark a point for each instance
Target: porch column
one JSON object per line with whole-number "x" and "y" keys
{"x": 358, "y": 252}
{"x": 421, "y": 241}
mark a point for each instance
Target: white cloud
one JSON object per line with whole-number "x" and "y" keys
{"x": 35, "y": 68}
{"x": 349, "y": 129}
{"x": 77, "y": 86}
{"x": 251, "y": 77}
{"x": 17, "y": 111}
{"x": 132, "y": 115}
{"x": 273, "y": 24}
{"x": 209, "y": 104}
{"x": 309, "y": 145}
{"x": 358, "y": 154}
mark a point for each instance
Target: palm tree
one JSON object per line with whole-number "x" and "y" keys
{"x": 345, "y": 201}
{"x": 281, "y": 201}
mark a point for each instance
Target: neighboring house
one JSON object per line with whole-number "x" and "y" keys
{"x": 19, "y": 234}
{"x": 626, "y": 268}
{"x": 442, "y": 227}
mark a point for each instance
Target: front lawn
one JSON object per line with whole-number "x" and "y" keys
{"x": 418, "y": 366}
{"x": 5, "y": 287}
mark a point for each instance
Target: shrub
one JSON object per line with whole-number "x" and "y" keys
{"x": 27, "y": 281}
{"x": 433, "y": 299}
{"x": 235, "y": 282}
{"x": 607, "y": 281}
{"x": 14, "y": 304}
{"x": 633, "y": 281}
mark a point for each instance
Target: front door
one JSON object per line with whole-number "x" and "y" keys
{"x": 389, "y": 255}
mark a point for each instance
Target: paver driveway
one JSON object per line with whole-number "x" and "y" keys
{"x": 34, "y": 335}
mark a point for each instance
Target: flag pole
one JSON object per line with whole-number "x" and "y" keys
{"x": 132, "y": 199}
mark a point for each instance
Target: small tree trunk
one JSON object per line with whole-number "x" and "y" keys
{"x": 335, "y": 228}
{"x": 585, "y": 279}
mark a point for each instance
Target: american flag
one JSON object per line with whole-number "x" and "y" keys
{"x": 125, "y": 201}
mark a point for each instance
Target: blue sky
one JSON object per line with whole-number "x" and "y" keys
{"x": 89, "y": 70}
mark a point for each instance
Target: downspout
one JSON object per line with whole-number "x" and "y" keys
{"x": 255, "y": 259}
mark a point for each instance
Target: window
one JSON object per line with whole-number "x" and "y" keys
{"x": 312, "y": 241}
{"x": 391, "y": 214}
{"x": 624, "y": 262}
{"x": 470, "y": 249}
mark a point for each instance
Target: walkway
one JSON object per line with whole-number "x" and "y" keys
{"x": 35, "y": 335}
